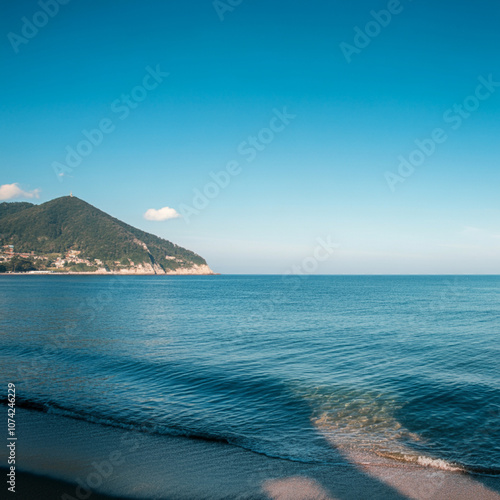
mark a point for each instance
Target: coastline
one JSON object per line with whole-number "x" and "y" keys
{"x": 61, "y": 454}
{"x": 73, "y": 273}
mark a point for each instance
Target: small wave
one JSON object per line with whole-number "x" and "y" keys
{"x": 439, "y": 463}
{"x": 147, "y": 426}
{"x": 435, "y": 463}
{"x": 154, "y": 428}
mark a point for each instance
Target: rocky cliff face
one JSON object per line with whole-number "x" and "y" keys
{"x": 196, "y": 269}
{"x": 155, "y": 269}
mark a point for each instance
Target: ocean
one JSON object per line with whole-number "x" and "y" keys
{"x": 306, "y": 368}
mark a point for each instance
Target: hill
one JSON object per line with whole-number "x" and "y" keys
{"x": 71, "y": 234}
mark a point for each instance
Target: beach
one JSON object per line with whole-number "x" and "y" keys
{"x": 87, "y": 460}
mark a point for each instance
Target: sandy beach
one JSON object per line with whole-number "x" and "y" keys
{"x": 71, "y": 459}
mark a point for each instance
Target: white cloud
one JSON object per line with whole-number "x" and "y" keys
{"x": 13, "y": 191}
{"x": 164, "y": 213}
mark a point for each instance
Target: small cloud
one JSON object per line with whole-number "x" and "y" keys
{"x": 164, "y": 213}
{"x": 13, "y": 191}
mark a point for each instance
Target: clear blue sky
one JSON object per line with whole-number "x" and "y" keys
{"x": 326, "y": 173}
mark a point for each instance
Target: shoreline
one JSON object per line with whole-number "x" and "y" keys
{"x": 104, "y": 274}
{"x": 60, "y": 454}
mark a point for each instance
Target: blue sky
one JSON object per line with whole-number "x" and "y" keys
{"x": 330, "y": 171}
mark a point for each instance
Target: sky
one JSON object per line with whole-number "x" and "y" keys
{"x": 252, "y": 132}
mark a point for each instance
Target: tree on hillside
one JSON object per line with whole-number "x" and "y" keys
{"x": 19, "y": 265}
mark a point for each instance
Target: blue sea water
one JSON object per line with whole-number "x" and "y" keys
{"x": 304, "y": 368}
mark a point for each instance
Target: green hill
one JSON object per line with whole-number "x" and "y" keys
{"x": 68, "y": 223}
{"x": 12, "y": 208}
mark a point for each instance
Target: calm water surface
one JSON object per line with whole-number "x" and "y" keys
{"x": 297, "y": 367}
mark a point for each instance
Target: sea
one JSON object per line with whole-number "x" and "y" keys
{"x": 306, "y": 368}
